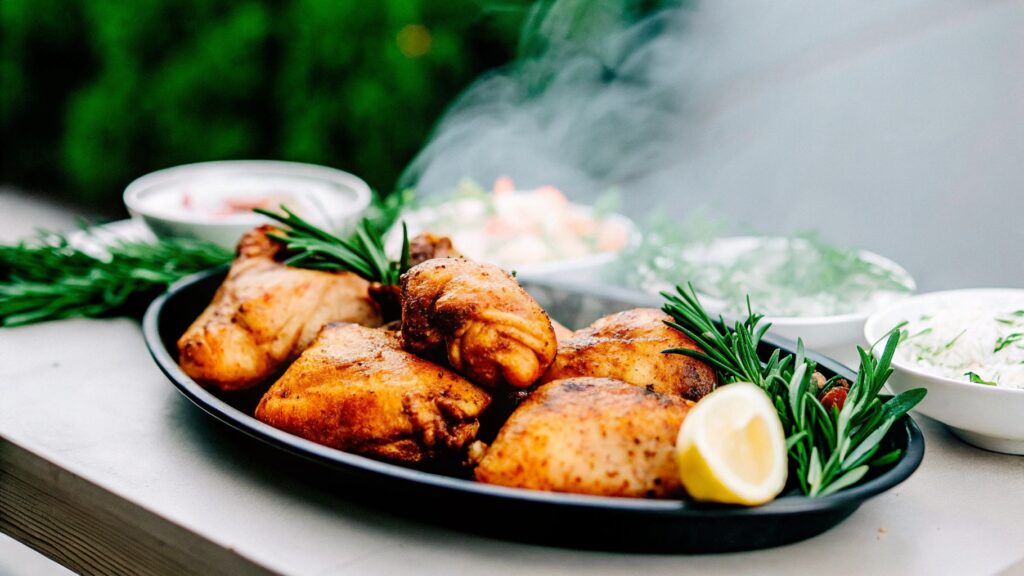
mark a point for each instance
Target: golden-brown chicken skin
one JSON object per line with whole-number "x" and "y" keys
{"x": 561, "y": 332}
{"x": 628, "y": 346}
{"x": 356, "y": 390}
{"x": 478, "y": 318}
{"x": 265, "y": 314}
{"x": 589, "y": 436}
{"x": 427, "y": 246}
{"x": 423, "y": 247}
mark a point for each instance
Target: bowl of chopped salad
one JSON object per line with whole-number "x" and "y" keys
{"x": 537, "y": 233}
{"x": 967, "y": 348}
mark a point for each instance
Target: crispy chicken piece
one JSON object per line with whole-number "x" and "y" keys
{"x": 356, "y": 390}
{"x": 590, "y": 436}
{"x": 265, "y": 314}
{"x": 427, "y": 246}
{"x": 478, "y": 318}
{"x": 628, "y": 346}
{"x": 423, "y": 247}
{"x": 561, "y": 332}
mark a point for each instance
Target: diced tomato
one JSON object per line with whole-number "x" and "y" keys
{"x": 245, "y": 204}
{"x": 612, "y": 237}
{"x": 552, "y": 193}
{"x": 498, "y": 227}
{"x": 504, "y": 185}
{"x": 835, "y": 397}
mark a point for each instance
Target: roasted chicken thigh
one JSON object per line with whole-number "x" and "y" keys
{"x": 265, "y": 314}
{"x": 628, "y": 346}
{"x": 423, "y": 247}
{"x": 477, "y": 318}
{"x": 590, "y": 436}
{"x": 355, "y": 389}
{"x": 561, "y": 332}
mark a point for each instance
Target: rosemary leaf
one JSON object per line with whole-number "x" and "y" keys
{"x": 846, "y": 480}
{"x": 308, "y": 246}
{"x": 887, "y": 458}
{"x": 902, "y": 403}
{"x": 866, "y": 448}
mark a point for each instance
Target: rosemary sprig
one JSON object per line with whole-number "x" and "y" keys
{"x": 49, "y": 278}
{"x": 828, "y": 449}
{"x": 363, "y": 253}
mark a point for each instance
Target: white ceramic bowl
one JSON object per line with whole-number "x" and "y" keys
{"x": 334, "y": 199}
{"x": 836, "y": 334}
{"x": 989, "y": 417}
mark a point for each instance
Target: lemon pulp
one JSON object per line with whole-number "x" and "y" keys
{"x": 731, "y": 447}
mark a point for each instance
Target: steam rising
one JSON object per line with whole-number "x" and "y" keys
{"x": 894, "y": 127}
{"x": 585, "y": 109}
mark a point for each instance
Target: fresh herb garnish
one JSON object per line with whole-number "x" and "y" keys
{"x": 1007, "y": 340}
{"x": 1016, "y": 317}
{"x": 978, "y": 379}
{"x": 50, "y": 278}
{"x": 311, "y": 247}
{"x": 949, "y": 344}
{"x": 927, "y": 330}
{"x": 828, "y": 449}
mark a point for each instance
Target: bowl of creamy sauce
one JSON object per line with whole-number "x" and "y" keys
{"x": 214, "y": 201}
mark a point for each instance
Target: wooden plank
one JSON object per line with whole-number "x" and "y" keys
{"x": 91, "y": 531}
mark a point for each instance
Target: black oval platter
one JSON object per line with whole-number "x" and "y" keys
{"x": 570, "y": 520}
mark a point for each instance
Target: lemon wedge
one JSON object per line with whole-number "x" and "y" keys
{"x": 731, "y": 447}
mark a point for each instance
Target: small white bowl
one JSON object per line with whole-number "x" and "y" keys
{"x": 830, "y": 335}
{"x": 989, "y": 417}
{"x": 181, "y": 201}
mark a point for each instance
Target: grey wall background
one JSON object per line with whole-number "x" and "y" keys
{"x": 895, "y": 126}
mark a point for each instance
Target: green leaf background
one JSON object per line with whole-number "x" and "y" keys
{"x": 94, "y": 94}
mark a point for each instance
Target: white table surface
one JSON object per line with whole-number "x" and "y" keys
{"x": 85, "y": 415}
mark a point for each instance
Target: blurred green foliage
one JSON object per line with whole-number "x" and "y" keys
{"x": 96, "y": 93}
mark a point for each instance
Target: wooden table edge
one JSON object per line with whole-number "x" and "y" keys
{"x": 92, "y": 530}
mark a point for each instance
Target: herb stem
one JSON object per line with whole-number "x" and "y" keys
{"x": 49, "y": 278}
